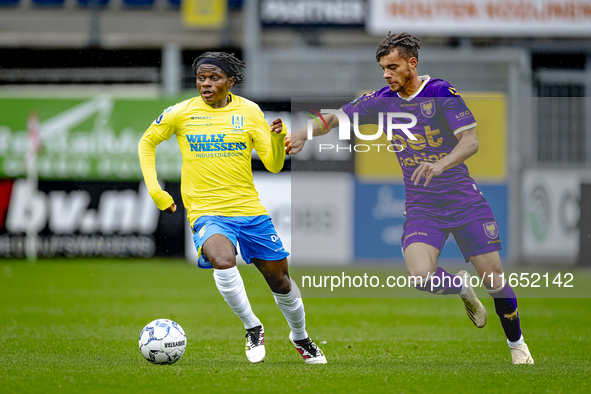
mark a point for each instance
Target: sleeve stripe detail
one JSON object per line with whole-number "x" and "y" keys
{"x": 459, "y": 130}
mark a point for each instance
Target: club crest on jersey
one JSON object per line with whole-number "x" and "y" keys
{"x": 428, "y": 108}
{"x": 238, "y": 122}
{"x": 491, "y": 230}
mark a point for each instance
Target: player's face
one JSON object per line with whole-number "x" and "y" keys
{"x": 398, "y": 71}
{"x": 213, "y": 85}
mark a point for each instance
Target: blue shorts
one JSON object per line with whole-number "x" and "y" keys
{"x": 256, "y": 236}
{"x": 475, "y": 238}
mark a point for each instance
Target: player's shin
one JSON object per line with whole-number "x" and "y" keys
{"x": 293, "y": 309}
{"x": 231, "y": 287}
{"x": 439, "y": 282}
{"x": 506, "y": 308}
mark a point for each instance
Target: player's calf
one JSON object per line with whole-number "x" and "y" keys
{"x": 439, "y": 282}
{"x": 276, "y": 274}
{"x": 231, "y": 287}
{"x": 506, "y": 308}
{"x": 279, "y": 284}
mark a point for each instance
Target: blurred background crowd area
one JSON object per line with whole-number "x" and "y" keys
{"x": 99, "y": 71}
{"x": 296, "y": 47}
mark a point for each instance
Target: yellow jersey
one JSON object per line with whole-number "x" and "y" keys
{"x": 216, "y": 145}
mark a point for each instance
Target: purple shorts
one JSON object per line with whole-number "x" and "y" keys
{"x": 475, "y": 238}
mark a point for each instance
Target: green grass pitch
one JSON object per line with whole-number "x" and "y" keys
{"x": 73, "y": 327}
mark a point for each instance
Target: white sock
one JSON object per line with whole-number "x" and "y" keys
{"x": 516, "y": 343}
{"x": 231, "y": 287}
{"x": 293, "y": 309}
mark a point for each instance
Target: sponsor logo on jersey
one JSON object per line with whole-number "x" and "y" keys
{"x": 238, "y": 122}
{"x": 157, "y": 121}
{"x": 430, "y": 139}
{"x": 463, "y": 115}
{"x": 428, "y": 108}
{"x": 212, "y": 143}
{"x": 491, "y": 230}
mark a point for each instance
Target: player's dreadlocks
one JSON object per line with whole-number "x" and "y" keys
{"x": 229, "y": 60}
{"x": 406, "y": 44}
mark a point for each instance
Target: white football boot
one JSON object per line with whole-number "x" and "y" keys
{"x": 474, "y": 308}
{"x": 309, "y": 350}
{"x": 520, "y": 354}
{"x": 255, "y": 344}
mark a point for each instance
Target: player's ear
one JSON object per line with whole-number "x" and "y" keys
{"x": 413, "y": 61}
{"x": 231, "y": 81}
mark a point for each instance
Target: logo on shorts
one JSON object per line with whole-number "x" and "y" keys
{"x": 491, "y": 230}
{"x": 202, "y": 232}
{"x": 274, "y": 238}
{"x": 428, "y": 108}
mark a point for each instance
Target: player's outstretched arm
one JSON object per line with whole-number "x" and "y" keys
{"x": 295, "y": 141}
{"x": 147, "y": 155}
{"x": 466, "y": 147}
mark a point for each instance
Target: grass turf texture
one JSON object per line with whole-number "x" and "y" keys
{"x": 72, "y": 326}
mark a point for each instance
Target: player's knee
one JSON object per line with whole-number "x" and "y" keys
{"x": 280, "y": 284}
{"x": 493, "y": 279}
{"x": 223, "y": 262}
{"x": 418, "y": 273}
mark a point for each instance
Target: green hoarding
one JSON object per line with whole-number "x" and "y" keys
{"x": 84, "y": 139}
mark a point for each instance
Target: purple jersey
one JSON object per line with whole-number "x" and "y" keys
{"x": 451, "y": 198}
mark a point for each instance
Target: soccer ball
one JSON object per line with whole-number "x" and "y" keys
{"x": 162, "y": 341}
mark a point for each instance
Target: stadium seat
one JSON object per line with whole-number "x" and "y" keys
{"x": 232, "y": 4}
{"x": 138, "y": 3}
{"x": 8, "y": 3}
{"x": 86, "y": 3}
{"x": 235, "y": 4}
{"x": 49, "y": 3}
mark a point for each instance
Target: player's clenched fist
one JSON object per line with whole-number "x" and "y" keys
{"x": 171, "y": 209}
{"x": 277, "y": 126}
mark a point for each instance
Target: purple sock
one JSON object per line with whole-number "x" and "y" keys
{"x": 441, "y": 282}
{"x": 506, "y": 308}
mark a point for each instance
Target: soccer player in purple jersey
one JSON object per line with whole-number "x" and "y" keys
{"x": 441, "y": 197}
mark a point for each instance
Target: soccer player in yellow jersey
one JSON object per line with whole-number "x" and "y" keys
{"x": 216, "y": 132}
